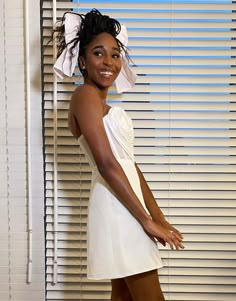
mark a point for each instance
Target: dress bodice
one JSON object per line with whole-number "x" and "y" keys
{"x": 119, "y": 129}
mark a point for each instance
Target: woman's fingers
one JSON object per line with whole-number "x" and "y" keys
{"x": 173, "y": 229}
{"x": 162, "y": 241}
{"x": 177, "y": 235}
{"x": 175, "y": 240}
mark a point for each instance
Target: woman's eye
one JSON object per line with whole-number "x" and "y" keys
{"x": 98, "y": 53}
{"x": 116, "y": 55}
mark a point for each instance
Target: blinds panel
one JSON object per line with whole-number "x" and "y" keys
{"x": 183, "y": 111}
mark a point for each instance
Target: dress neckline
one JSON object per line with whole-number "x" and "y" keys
{"x": 108, "y": 112}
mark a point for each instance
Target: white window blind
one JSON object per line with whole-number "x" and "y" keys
{"x": 183, "y": 109}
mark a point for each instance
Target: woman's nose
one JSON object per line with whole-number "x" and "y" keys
{"x": 107, "y": 60}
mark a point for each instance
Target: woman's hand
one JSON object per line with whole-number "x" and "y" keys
{"x": 164, "y": 233}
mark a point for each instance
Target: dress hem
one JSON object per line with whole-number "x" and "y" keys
{"x": 102, "y": 277}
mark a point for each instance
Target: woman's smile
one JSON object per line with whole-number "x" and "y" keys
{"x": 106, "y": 73}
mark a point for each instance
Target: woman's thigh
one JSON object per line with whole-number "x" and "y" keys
{"x": 120, "y": 291}
{"x": 145, "y": 286}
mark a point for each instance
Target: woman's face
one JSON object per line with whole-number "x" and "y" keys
{"x": 102, "y": 61}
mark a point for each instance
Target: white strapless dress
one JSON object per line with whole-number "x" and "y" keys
{"x": 117, "y": 244}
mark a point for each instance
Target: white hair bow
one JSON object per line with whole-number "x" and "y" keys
{"x": 66, "y": 62}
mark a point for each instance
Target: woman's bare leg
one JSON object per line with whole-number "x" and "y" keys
{"x": 145, "y": 286}
{"x": 120, "y": 291}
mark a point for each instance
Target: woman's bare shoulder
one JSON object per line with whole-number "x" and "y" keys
{"x": 85, "y": 92}
{"x": 85, "y": 99}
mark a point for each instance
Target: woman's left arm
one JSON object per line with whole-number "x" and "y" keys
{"x": 149, "y": 199}
{"x": 152, "y": 206}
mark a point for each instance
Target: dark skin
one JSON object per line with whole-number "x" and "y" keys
{"x": 102, "y": 64}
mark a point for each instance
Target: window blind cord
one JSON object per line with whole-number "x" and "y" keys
{"x": 55, "y": 198}
{"x": 28, "y": 139}
{"x": 7, "y": 155}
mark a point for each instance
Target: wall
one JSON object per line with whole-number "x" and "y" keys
{"x": 13, "y": 155}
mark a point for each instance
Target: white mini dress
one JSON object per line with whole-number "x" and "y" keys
{"x": 117, "y": 244}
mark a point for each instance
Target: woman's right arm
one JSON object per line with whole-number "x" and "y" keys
{"x": 88, "y": 110}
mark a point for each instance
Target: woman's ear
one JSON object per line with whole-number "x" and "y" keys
{"x": 82, "y": 63}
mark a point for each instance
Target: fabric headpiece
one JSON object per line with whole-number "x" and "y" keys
{"x": 66, "y": 62}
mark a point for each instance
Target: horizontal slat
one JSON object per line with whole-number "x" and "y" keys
{"x": 173, "y": 80}
{"x": 167, "y": 194}
{"x": 155, "y": 88}
{"x": 174, "y": 271}
{"x": 164, "y": 5}
{"x": 176, "y": 220}
{"x": 148, "y": 97}
{"x": 183, "y": 142}
{"x": 191, "y": 70}
{"x": 217, "y": 186}
{"x": 171, "y": 262}
{"x": 161, "y": 106}
{"x": 75, "y": 211}
{"x": 163, "y": 203}
{"x": 159, "y": 15}
{"x": 159, "y": 177}
{"x": 170, "y": 36}
{"x": 214, "y": 24}
{"x": 156, "y": 150}
{"x": 173, "y": 159}
{"x": 174, "y": 52}
{"x": 169, "y": 115}
{"x": 183, "y": 61}
{"x": 161, "y": 168}
{"x": 87, "y": 285}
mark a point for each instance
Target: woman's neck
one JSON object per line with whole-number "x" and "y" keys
{"x": 102, "y": 92}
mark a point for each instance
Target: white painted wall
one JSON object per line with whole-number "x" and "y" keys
{"x": 13, "y": 159}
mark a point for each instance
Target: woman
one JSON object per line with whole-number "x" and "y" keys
{"x": 124, "y": 220}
